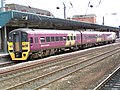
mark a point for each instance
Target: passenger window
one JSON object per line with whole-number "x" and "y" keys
{"x": 31, "y": 40}
{"x": 42, "y": 39}
{"x": 64, "y": 38}
{"x": 52, "y": 39}
{"x": 47, "y": 39}
{"x": 57, "y": 39}
{"x": 68, "y": 38}
{"x": 36, "y": 39}
{"x": 71, "y": 37}
{"x": 61, "y": 38}
{"x": 74, "y": 37}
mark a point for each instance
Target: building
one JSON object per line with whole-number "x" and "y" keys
{"x": 90, "y": 18}
{"x": 27, "y": 9}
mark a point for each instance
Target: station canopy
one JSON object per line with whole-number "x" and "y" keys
{"x": 25, "y": 19}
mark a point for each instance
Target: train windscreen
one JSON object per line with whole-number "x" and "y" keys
{"x": 10, "y": 37}
{"x": 24, "y": 37}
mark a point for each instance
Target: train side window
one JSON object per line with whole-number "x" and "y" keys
{"x": 57, "y": 38}
{"x": 61, "y": 38}
{"x": 64, "y": 38}
{"x": 52, "y": 39}
{"x": 36, "y": 39}
{"x": 74, "y": 37}
{"x": 47, "y": 39}
{"x": 31, "y": 39}
{"x": 42, "y": 39}
{"x": 68, "y": 38}
{"x": 71, "y": 37}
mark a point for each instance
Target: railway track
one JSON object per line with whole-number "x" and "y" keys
{"x": 54, "y": 60}
{"x": 112, "y": 82}
{"x": 5, "y": 64}
{"x": 53, "y": 72}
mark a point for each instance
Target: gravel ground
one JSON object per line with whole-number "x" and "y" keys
{"x": 88, "y": 78}
{"x": 83, "y": 80}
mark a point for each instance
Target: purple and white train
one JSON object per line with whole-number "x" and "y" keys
{"x": 24, "y": 42}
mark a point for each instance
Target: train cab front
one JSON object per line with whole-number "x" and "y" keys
{"x": 18, "y": 45}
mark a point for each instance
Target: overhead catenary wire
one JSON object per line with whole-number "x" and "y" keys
{"x": 87, "y": 7}
{"x": 72, "y": 6}
{"x": 92, "y": 5}
{"x": 99, "y": 3}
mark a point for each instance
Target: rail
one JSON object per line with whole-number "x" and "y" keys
{"x": 102, "y": 84}
{"x": 61, "y": 73}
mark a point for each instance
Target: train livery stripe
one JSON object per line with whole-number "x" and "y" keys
{"x": 25, "y": 50}
{"x": 99, "y": 39}
{"x": 70, "y": 42}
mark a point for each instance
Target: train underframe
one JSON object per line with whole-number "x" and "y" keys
{"x": 48, "y": 52}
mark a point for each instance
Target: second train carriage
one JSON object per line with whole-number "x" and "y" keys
{"x": 26, "y": 42}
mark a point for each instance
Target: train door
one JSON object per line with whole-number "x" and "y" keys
{"x": 68, "y": 40}
{"x": 31, "y": 42}
{"x": 73, "y": 39}
{"x": 36, "y": 42}
{"x": 17, "y": 44}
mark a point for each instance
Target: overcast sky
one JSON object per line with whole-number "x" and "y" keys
{"x": 110, "y": 9}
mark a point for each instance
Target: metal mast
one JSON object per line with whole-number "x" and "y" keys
{"x": 4, "y": 28}
{"x": 2, "y": 5}
{"x": 64, "y": 10}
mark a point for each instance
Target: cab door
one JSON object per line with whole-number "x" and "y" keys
{"x": 17, "y": 45}
{"x": 17, "y": 42}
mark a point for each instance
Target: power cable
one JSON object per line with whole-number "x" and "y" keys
{"x": 72, "y": 6}
{"x": 88, "y": 6}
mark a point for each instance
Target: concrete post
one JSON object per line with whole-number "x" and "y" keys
{"x": 64, "y": 10}
{"x": 4, "y": 28}
{"x": 5, "y": 39}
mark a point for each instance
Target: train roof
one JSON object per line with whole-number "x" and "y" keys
{"x": 96, "y": 32}
{"x": 51, "y": 31}
{"x": 90, "y": 32}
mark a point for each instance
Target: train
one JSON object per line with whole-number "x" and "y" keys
{"x": 27, "y": 43}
